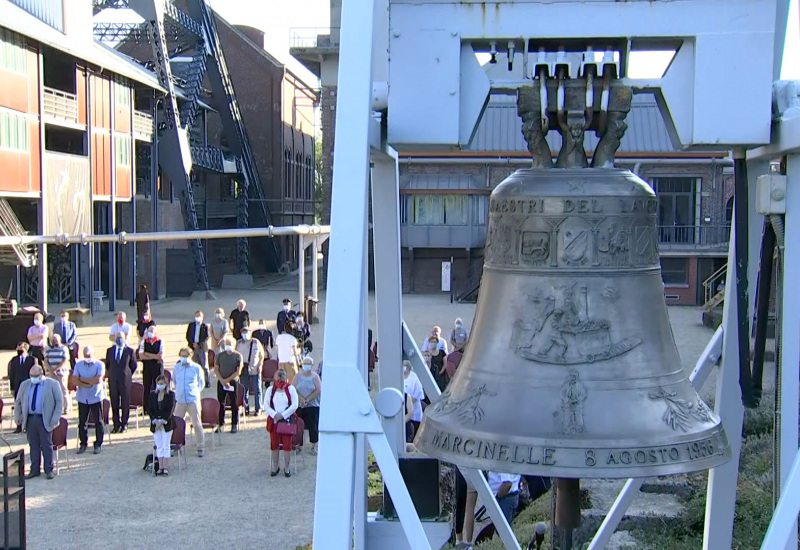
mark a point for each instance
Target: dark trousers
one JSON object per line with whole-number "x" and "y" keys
{"x": 310, "y": 416}
{"x": 150, "y": 371}
{"x": 251, "y": 382}
{"x": 120, "y": 390}
{"x": 73, "y": 356}
{"x": 95, "y": 412}
{"x": 227, "y": 398}
{"x": 41, "y": 444}
{"x": 38, "y": 353}
{"x": 461, "y": 500}
{"x": 508, "y": 505}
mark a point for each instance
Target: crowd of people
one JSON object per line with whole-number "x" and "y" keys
{"x": 275, "y": 375}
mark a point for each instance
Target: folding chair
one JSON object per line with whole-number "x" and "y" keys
{"x": 137, "y": 400}
{"x": 209, "y": 416}
{"x": 60, "y": 441}
{"x": 239, "y": 403}
{"x": 178, "y": 441}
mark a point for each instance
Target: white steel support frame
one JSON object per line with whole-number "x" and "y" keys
{"x": 303, "y": 243}
{"x": 344, "y": 422}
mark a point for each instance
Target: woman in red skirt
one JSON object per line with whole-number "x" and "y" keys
{"x": 280, "y": 408}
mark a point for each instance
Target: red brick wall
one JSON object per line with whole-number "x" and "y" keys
{"x": 684, "y": 295}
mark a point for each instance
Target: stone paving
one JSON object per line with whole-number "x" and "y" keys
{"x": 224, "y": 499}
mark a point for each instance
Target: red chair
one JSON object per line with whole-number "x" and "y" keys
{"x": 168, "y": 374}
{"x": 60, "y": 441}
{"x": 137, "y": 400}
{"x": 178, "y": 441}
{"x": 209, "y": 415}
{"x": 453, "y": 360}
{"x": 268, "y": 369}
{"x": 297, "y": 444}
{"x": 239, "y": 402}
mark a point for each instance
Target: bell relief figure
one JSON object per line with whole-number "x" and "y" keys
{"x": 572, "y": 154}
{"x": 573, "y": 394}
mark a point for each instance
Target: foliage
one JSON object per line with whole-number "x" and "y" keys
{"x": 319, "y": 188}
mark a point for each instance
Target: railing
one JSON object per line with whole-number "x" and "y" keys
{"x": 61, "y": 105}
{"x": 143, "y": 125}
{"x": 10, "y": 226}
{"x": 714, "y": 284}
{"x": 472, "y": 282}
{"x": 693, "y": 236}
{"x": 314, "y": 37}
{"x": 220, "y": 208}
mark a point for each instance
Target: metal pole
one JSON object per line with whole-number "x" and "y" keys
{"x": 154, "y": 202}
{"x": 315, "y": 247}
{"x": 43, "y": 210}
{"x": 89, "y": 276}
{"x": 112, "y": 207}
{"x": 133, "y": 202}
{"x": 301, "y": 271}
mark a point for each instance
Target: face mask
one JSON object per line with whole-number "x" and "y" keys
{"x": 299, "y": 320}
{"x": 20, "y": 352}
{"x": 151, "y": 334}
{"x": 226, "y": 348}
{"x": 120, "y": 320}
{"x": 246, "y": 335}
{"x": 306, "y": 368}
{"x": 120, "y": 342}
{"x": 64, "y": 319}
{"x": 37, "y": 322}
{"x": 184, "y": 360}
{"x": 198, "y": 319}
{"x": 261, "y": 326}
{"x": 87, "y": 357}
{"x": 36, "y": 380}
{"x": 160, "y": 387}
{"x": 218, "y": 315}
{"x": 458, "y": 326}
{"x": 285, "y": 308}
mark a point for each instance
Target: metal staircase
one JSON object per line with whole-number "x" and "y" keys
{"x": 196, "y": 32}
{"x": 714, "y": 297}
{"x": 10, "y": 226}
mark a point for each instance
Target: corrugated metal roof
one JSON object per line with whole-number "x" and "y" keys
{"x": 500, "y": 129}
{"x": 441, "y": 181}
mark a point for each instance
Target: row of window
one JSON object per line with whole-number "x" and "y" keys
{"x": 122, "y": 147}
{"x": 14, "y": 133}
{"x": 298, "y": 176}
{"x": 122, "y": 94}
{"x": 13, "y": 53}
{"x": 443, "y": 209}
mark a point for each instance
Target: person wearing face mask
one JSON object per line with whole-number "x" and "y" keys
{"x": 458, "y": 336}
{"x": 227, "y": 368}
{"x": 302, "y": 331}
{"x": 288, "y": 353}
{"x": 239, "y": 319}
{"x": 197, "y": 339}
{"x": 308, "y": 386}
{"x": 120, "y": 326}
{"x": 264, "y": 335}
{"x": 436, "y": 332}
{"x": 69, "y": 335}
{"x": 120, "y": 366}
{"x": 144, "y": 322}
{"x": 19, "y": 369}
{"x": 280, "y": 408}
{"x": 162, "y": 422}
{"x": 413, "y": 388}
{"x": 38, "y": 407}
{"x": 56, "y": 367}
{"x": 189, "y": 383}
{"x": 37, "y": 338}
{"x": 253, "y": 354}
{"x": 219, "y": 329}
{"x": 285, "y": 314}
{"x": 88, "y": 376}
{"x": 142, "y": 301}
{"x": 151, "y": 354}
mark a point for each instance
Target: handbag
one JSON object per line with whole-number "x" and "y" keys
{"x": 286, "y": 427}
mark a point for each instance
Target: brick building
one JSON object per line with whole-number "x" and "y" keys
{"x": 444, "y": 196}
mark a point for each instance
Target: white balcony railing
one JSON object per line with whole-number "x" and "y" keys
{"x": 142, "y": 125}
{"x": 314, "y": 37}
{"x": 60, "y": 105}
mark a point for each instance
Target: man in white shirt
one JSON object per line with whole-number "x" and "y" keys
{"x": 288, "y": 354}
{"x": 506, "y": 490}
{"x": 435, "y": 331}
{"x": 120, "y": 326}
{"x": 253, "y": 354}
{"x": 413, "y": 388}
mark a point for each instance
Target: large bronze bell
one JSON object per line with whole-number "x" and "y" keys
{"x": 572, "y": 370}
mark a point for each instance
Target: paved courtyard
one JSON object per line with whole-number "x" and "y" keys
{"x": 226, "y": 499}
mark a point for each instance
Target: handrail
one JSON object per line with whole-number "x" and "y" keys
{"x": 61, "y": 105}
{"x": 710, "y": 284}
{"x": 307, "y": 37}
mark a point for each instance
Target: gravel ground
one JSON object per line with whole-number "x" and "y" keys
{"x": 226, "y": 499}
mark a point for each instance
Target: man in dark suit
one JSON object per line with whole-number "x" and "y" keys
{"x": 120, "y": 366}
{"x": 197, "y": 338}
{"x": 68, "y": 332}
{"x": 285, "y": 314}
{"x": 19, "y": 369}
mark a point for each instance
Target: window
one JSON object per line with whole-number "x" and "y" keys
{"x": 441, "y": 210}
{"x": 675, "y": 271}
{"x": 480, "y": 209}
{"x": 676, "y": 209}
{"x": 298, "y": 176}
{"x": 122, "y": 93}
{"x": 122, "y": 144}
{"x": 13, "y": 52}
{"x": 729, "y": 211}
{"x": 13, "y": 132}
{"x": 287, "y": 174}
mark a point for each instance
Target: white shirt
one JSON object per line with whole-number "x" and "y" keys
{"x": 286, "y": 344}
{"x": 442, "y": 345}
{"x": 280, "y": 402}
{"x": 496, "y": 479}
{"x": 117, "y": 328}
{"x": 413, "y": 387}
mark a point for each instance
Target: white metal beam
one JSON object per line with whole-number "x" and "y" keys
{"x": 783, "y": 526}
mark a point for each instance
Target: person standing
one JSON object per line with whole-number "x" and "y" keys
{"x": 506, "y": 490}
{"x": 56, "y": 357}
{"x": 19, "y": 369}
{"x": 308, "y": 386}
{"x": 285, "y": 314}
{"x": 197, "y": 338}
{"x": 219, "y": 328}
{"x": 302, "y": 331}
{"x": 413, "y": 388}
{"x": 253, "y": 355}
{"x": 88, "y": 376}
{"x": 189, "y": 383}
{"x": 38, "y": 407}
{"x": 144, "y": 322}
{"x": 436, "y": 332}
{"x": 151, "y": 354}
{"x": 227, "y": 369}
{"x": 142, "y": 301}
{"x": 37, "y": 337}
{"x": 280, "y": 408}
{"x": 120, "y": 366}
{"x": 264, "y": 335}
{"x": 288, "y": 354}
{"x": 69, "y": 335}
{"x": 162, "y": 422}
{"x": 239, "y": 318}
{"x": 120, "y": 326}
{"x": 459, "y": 336}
